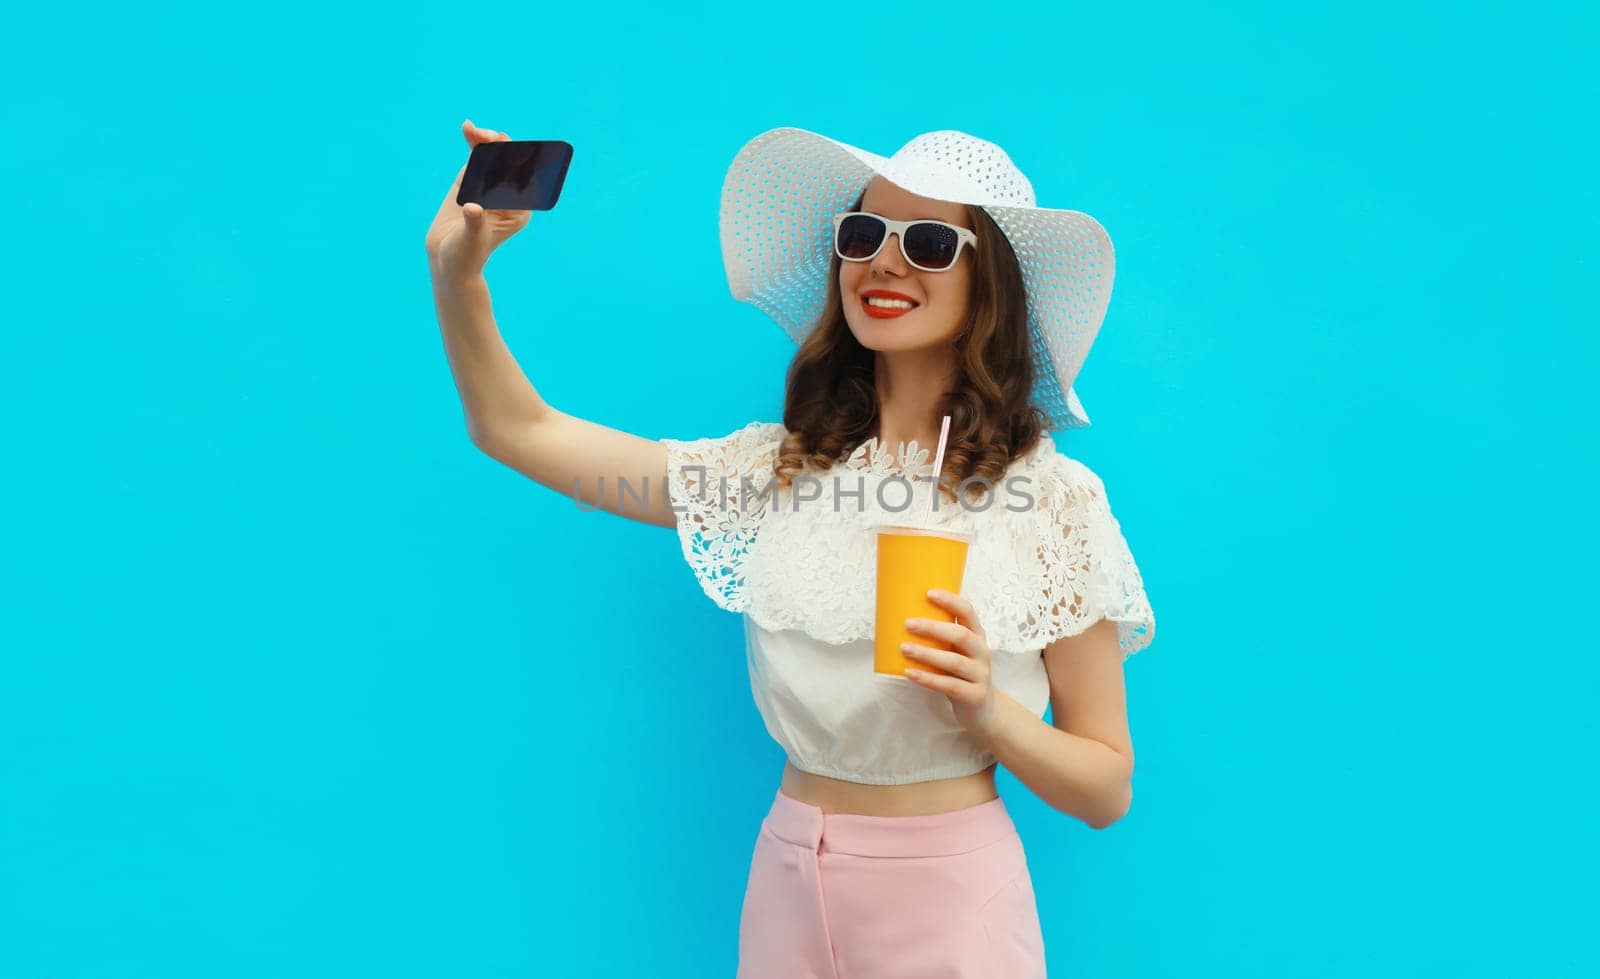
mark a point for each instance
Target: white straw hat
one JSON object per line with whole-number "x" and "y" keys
{"x": 785, "y": 186}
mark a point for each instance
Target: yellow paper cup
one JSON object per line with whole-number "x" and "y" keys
{"x": 911, "y": 561}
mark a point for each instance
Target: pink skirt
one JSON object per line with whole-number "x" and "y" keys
{"x": 845, "y": 896}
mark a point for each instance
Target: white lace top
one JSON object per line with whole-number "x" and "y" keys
{"x": 1048, "y": 560}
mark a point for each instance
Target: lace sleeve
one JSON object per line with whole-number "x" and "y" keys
{"x": 716, "y": 525}
{"x": 1090, "y": 573}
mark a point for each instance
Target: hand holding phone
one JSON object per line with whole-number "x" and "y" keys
{"x": 466, "y": 231}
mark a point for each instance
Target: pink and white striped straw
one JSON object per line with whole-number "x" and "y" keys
{"x": 938, "y": 463}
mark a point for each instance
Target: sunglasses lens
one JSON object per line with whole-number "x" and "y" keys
{"x": 931, "y": 245}
{"x": 859, "y": 236}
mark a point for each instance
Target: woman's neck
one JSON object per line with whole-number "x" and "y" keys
{"x": 911, "y": 387}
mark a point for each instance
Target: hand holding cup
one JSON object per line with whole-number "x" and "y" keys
{"x": 966, "y": 678}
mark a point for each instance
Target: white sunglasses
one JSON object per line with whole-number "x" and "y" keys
{"x": 932, "y": 246}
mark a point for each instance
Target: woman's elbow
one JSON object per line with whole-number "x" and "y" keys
{"x": 1118, "y": 808}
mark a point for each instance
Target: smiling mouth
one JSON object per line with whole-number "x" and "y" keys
{"x": 886, "y": 308}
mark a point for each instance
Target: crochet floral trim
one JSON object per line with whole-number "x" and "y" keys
{"x": 908, "y": 460}
{"x": 1034, "y": 574}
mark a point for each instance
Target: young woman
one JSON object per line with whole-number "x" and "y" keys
{"x": 917, "y": 286}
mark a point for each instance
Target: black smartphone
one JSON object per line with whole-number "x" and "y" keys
{"x": 516, "y": 174}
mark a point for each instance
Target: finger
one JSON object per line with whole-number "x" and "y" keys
{"x": 955, "y": 663}
{"x": 949, "y": 686}
{"x": 476, "y": 134}
{"x": 504, "y": 217}
{"x": 472, "y": 214}
{"x": 955, "y": 603}
{"x": 954, "y": 633}
{"x": 965, "y": 612}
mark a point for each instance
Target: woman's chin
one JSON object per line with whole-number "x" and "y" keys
{"x": 884, "y": 344}
{"x": 887, "y": 336}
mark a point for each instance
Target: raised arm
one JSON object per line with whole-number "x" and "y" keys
{"x": 505, "y": 415}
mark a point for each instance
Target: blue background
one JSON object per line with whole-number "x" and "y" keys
{"x": 297, "y": 682}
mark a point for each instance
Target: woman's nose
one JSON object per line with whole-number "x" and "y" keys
{"x": 889, "y": 260}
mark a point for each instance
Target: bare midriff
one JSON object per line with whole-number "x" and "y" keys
{"x": 914, "y": 799}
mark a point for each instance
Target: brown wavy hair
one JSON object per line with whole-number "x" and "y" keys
{"x": 831, "y": 406}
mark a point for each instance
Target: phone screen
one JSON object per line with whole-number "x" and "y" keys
{"x": 516, "y": 175}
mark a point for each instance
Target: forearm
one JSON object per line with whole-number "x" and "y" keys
{"x": 492, "y": 386}
{"x": 1078, "y": 776}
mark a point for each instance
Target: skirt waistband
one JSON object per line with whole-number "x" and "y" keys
{"x": 933, "y": 835}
